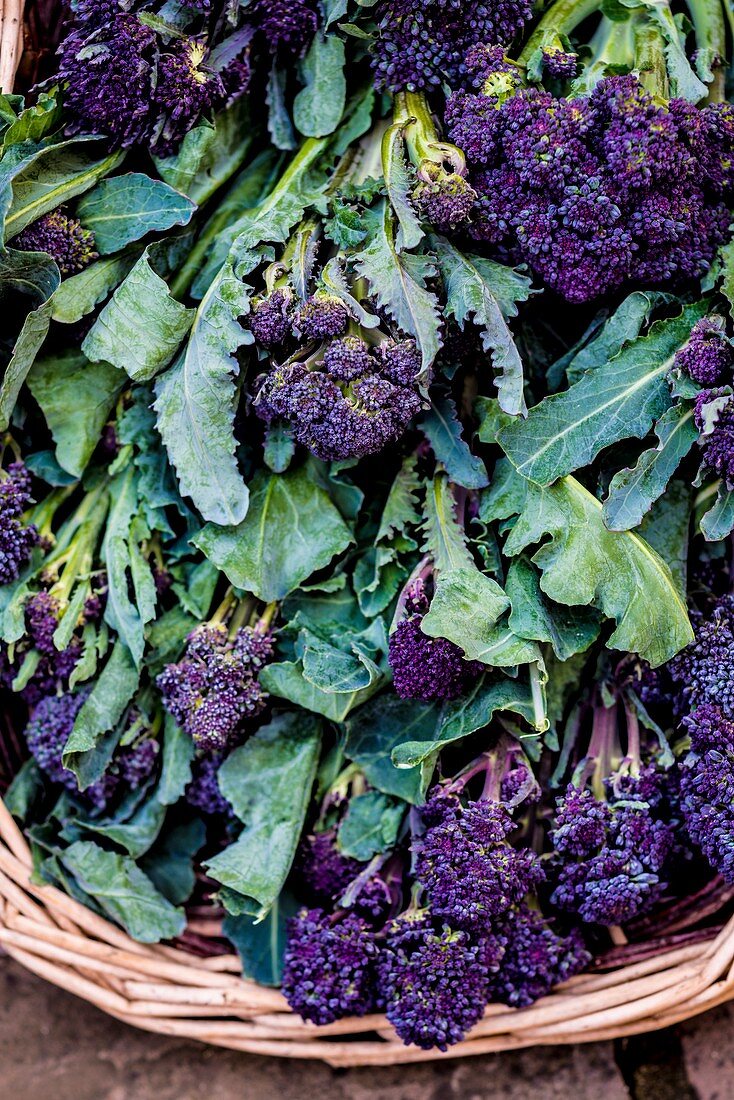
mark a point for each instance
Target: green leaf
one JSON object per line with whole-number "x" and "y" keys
{"x": 125, "y": 894}
{"x": 195, "y": 402}
{"x": 618, "y": 400}
{"x": 27, "y": 785}
{"x": 76, "y": 398}
{"x": 399, "y": 184}
{"x": 398, "y": 283}
{"x": 442, "y": 428}
{"x": 623, "y": 326}
{"x": 666, "y": 527}
{"x": 261, "y": 944}
{"x": 268, "y": 782}
{"x": 124, "y": 208}
{"x": 254, "y": 554}
{"x": 536, "y": 618}
{"x": 131, "y": 595}
{"x": 35, "y": 275}
{"x": 583, "y": 563}
{"x": 78, "y": 295}
{"x": 683, "y": 80}
{"x": 473, "y": 711}
{"x": 471, "y": 293}
{"x": 718, "y": 522}
{"x": 178, "y": 755}
{"x": 374, "y": 730}
{"x": 286, "y": 679}
{"x": 370, "y": 825}
{"x": 100, "y": 712}
{"x": 632, "y": 492}
{"x": 464, "y": 609}
{"x": 136, "y": 834}
{"x": 209, "y": 155}
{"x": 445, "y": 539}
{"x": 318, "y": 107}
{"x": 170, "y": 862}
{"x": 55, "y": 175}
{"x": 727, "y": 274}
{"x": 141, "y": 327}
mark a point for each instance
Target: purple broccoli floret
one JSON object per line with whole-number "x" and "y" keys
{"x": 594, "y": 191}
{"x": 714, "y": 417}
{"x": 214, "y": 688}
{"x": 705, "y": 669}
{"x": 62, "y": 238}
{"x": 427, "y": 668}
{"x": 48, "y": 731}
{"x": 184, "y": 89}
{"x": 17, "y": 539}
{"x": 535, "y": 958}
{"x": 203, "y": 790}
{"x": 471, "y": 875}
{"x": 326, "y": 874}
{"x": 434, "y": 980}
{"x": 320, "y": 316}
{"x": 329, "y": 966}
{"x": 271, "y": 320}
{"x": 559, "y": 63}
{"x": 610, "y": 855}
{"x": 445, "y": 199}
{"x": 423, "y": 43}
{"x": 287, "y": 25}
{"x": 707, "y": 354}
{"x": 707, "y": 787}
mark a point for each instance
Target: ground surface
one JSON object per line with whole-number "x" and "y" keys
{"x": 55, "y": 1047}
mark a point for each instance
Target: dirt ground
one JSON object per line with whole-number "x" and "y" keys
{"x": 55, "y": 1047}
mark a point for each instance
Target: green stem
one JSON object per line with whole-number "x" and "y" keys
{"x": 421, "y": 136}
{"x": 79, "y": 562}
{"x": 650, "y": 60}
{"x": 709, "y": 27}
{"x": 562, "y": 18}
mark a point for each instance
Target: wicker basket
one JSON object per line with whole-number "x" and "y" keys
{"x": 201, "y": 995}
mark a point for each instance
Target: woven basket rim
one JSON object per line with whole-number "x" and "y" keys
{"x": 170, "y": 991}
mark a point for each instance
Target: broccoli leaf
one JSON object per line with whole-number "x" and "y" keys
{"x": 141, "y": 327}
{"x": 318, "y": 107}
{"x": 78, "y": 295}
{"x": 124, "y": 892}
{"x": 122, "y": 209}
{"x": 36, "y": 276}
{"x": 585, "y": 564}
{"x": 374, "y": 730}
{"x": 398, "y": 182}
{"x": 718, "y": 521}
{"x": 76, "y": 398}
{"x": 632, "y": 492}
{"x": 260, "y": 944}
{"x": 470, "y": 292}
{"x": 257, "y": 557}
{"x": 442, "y": 428}
{"x": 398, "y": 283}
{"x": 465, "y": 606}
{"x": 209, "y": 154}
{"x": 536, "y": 618}
{"x": 619, "y": 400}
{"x": 268, "y": 782}
{"x": 370, "y": 825}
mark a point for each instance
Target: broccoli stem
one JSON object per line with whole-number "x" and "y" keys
{"x": 421, "y": 136}
{"x": 710, "y": 32}
{"x": 561, "y": 18}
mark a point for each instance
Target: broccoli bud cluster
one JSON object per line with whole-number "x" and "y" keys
{"x": 62, "y": 238}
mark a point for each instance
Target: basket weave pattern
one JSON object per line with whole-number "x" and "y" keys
{"x": 170, "y": 991}
{"x": 174, "y": 992}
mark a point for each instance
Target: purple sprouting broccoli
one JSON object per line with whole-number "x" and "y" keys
{"x": 714, "y": 417}
{"x": 17, "y": 538}
{"x": 421, "y": 44}
{"x": 434, "y": 979}
{"x": 62, "y": 237}
{"x": 470, "y": 874}
{"x": 287, "y": 25}
{"x": 595, "y": 191}
{"x": 423, "y": 667}
{"x": 214, "y": 688}
{"x": 203, "y": 790}
{"x": 442, "y": 192}
{"x": 343, "y": 403}
{"x": 706, "y": 774}
{"x": 327, "y": 875}
{"x": 612, "y": 841}
{"x": 51, "y": 666}
{"x": 184, "y": 90}
{"x": 707, "y": 355}
{"x": 704, "y": 670}
{"x": 271, "y": 320}
{"x": 329, "y": 965}
{"x": 320, "y": 316}
{"x": 535, "y": 958}
{"x": 560, "y": 63}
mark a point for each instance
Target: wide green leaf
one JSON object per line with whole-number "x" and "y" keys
{"x": 122, "y": 890}
{"x": 443, "y": 430}
{"x": 141, "y": 327}
{"x": 370, "y": 825}
{"x": 36, "y": 276}
{"x": 260, "y": 944}
{"x": 78, "y": 295}
{"x": 291, "y": 530}
{"x": 76, "y": 398}
{"x": 99, "y": 714}
{"x": 585, "y": 564}
{"x": 268, "y": 782}
{"x": 465, "y": 606}
{"x": 318, "y": 107}
{"x": 122, "y": 209}
{"x": 632, "y": 492}
{"x": 619, "y": 400}
{"x": 534, "y": 617}
{"x": 374, "y": 730}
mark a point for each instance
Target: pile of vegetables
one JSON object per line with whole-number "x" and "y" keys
{"x": 367, "y": 488}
